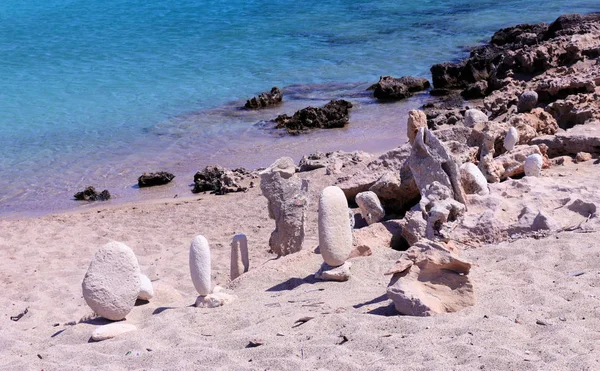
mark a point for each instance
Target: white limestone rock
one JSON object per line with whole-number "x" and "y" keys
{"x": 329, "y": 273}
{"x": 511, "y": 139}
{"x": 112, "y": 282}
{"x": 146, "y": 289}
{"x": 416, "y": 120}
{"x": 533, "y": 165}
{"x": 474, "y": 117}
{"x": 111, "y": 330}
{"x": 217, "y": 298}
{"x": 335, "y": 234}
{"x": 370, "y": 207}
{"x": 200, "y": 268}
{"x": 473, "y": 180}
{"x": 239, "y": 256}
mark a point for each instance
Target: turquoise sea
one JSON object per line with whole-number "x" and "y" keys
{"x": 96, "y": 92}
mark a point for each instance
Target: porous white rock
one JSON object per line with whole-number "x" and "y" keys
{"x": 474, "y": 117}
{"x": 146, "y": 289}
{"x": 112, "y": 282}
{"x": 370, "y": 207}
{"x": 328, "y": 273}
{"x": 111, "y": 330}
{"x": 473, "y": 180}
{"x": 533, "y": 165}
{"x": 239, "y": 256}
{"x": 200, "y": 268}
{"x": 335, "y": 234}
{"x": 511, "y": 139}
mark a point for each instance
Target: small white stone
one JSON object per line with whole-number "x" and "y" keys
{"x": 533, "y": 165}
{"x": 214, "y": 300}
{"x": 112, "y": 282}
{"x": 474, "y": 117}
{"x": 200, "y": 266}
{"x": 239, "y": 256}
{"x": 111, "y": 330}
{"x": 146, "y": 289}
{"x": 335, "y": 234}
{"x": 473, "y": 180}
{"x": 511, "y": 139}
{"x": 370, "y": 207}
{"x": 328, "y": 273}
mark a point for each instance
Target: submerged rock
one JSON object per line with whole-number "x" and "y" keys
{"x": 90, "y": 194}
{"x": 265, "y": 99}
{"x": 154, "y": 179}
{"x": 334, "y": 114}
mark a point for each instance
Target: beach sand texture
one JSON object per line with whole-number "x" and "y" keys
{"x": 531, "y": 313}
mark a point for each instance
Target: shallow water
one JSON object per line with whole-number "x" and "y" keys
{"x": 98, "y": 92}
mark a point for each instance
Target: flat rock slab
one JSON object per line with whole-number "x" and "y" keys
{"x": 111, "y": 330}
{"x": 112, "y": 282}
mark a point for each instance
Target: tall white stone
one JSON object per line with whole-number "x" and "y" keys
{"x": 370, "y": 207}
{"x": 112, "y": 282}
{"x": 200, "y": 268}
{"x": 239, "y": 256}
{"x": 511, "y": 139}
{"x": 533, "y": 165}
{"x": 146, "y": 289}
{"x": 335, "y": 235}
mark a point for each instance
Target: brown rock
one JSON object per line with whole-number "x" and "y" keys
{"x": 583, "y": 156}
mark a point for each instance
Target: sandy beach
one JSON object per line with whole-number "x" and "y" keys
{"x": 536, "y": 289}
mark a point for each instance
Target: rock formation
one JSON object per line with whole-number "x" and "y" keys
{"x": 265, "y": 99}
{"x": 335, "y": 114}
{"x": 154, "y": 179}
{"x": 220, "y": 181}
{"x": 287, "y": 196}
{"x": 112, "y": 282}
{"x": 239, "y": 256}
{"x": 90, "y": 194}
{"x": 390, "y": 88}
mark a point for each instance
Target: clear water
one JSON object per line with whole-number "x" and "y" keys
{"x": 96, "y": 92}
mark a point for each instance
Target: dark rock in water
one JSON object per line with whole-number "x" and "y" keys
{"x": 154, "y": 179}
{"x": 218, "y": 180}
{"x": 90, "y": 194}
{"x": 334, "y": 114}
{"x": 266, "y": 99}
{"x": 391, "y": 88}
{"x": 524, "y": 34}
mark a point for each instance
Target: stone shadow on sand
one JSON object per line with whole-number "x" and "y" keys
{"x": 294, "y": 282}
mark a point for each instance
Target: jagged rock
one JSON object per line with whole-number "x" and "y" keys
{"x": 391, "y": 88}
{"x": 475, "y": 90}
{"x": 525, "y": 126}
{"x": 473, "y": 180}
{"x": 527, "y": 101}
{"x": 396, "y": 190}
{"x": 335, "y": 234}
{"x": 584, "y": 208}
{"x": 434, "y": 281}
{"x": 288, "y": 201}
{"x": 154, "y": 179}
{"x": 583, "y": 156}
{"x": 414, "y": 226}
{"x": 265, "y": 99}
{"x": 416, "y": 120}
{"x": 511, "y": 139}
{"x": 387, "y": 234}
{"x": 112, "y": 282}
{"x": 533, "y": 165}
{"x": 220, "y": 181}
{"x": 320, "y": 160}
{"x": 440, "y": 210}
{"x": 429, "y": 161}
{"x": 474, "y": 117}
{"x": 370, "y": 207}
{"x": 581, "y": 138}
{"x": 334, "y": 114}
{"x": 90, "y": 194}
{"x": 509, "y": 164}
{"x": 328, "y": 273}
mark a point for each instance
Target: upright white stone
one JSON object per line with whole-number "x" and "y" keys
{"x": 533, "y": 165}
{"x": 370, "y": 207}
{"x": 112, "y": 282}
{"x": 335, "y": 235}
{"x": 474, "y": 117}
{"x": 239, "y": 256}
{"x": 511, "y": 139}
{"x": 200, "y": 268}
{"x": 473, "y": 180}
{"x": 146, "y": 289}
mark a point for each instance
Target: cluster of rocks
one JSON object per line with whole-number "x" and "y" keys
{"x": 265, "y": 99}
{"x": 220, "y": 181}
{"x": 335, "y": 114}
{"x": 392, "y": 89}
{"x": 90, "y": 194}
